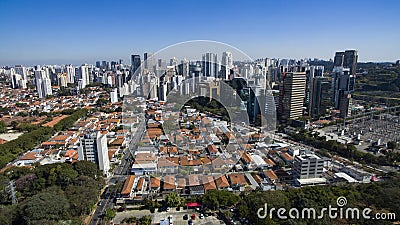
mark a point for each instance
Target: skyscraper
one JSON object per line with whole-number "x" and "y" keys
{"x": 342, "y": 90}
{"x": 210, "y": 65}
{"x": 347, "y": 59}
{"x": 93, "y": 148}
{"x": 292, "y": 95}
{"x": 226, "y": 65}
{"x": 43, "y": 83}
{"x": 148, "y": 61}
{"x": 135, "y": 64}
{"x": 320, "y": 96}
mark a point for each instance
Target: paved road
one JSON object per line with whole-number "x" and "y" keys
{"x": 119, "y": 176}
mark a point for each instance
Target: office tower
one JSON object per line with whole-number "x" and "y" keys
{"x": 342, "y": 90}
{"x": 43, "y": 83}
{"x": 319, "y": 96}
{"x": 135, "y": 64}
{"x": 148, "y": 61}
{"x": 209, "y": 65}
{"x": 226, "y": 65}
{"x": 292, "y": 95}
{"x": 307, "y": 166}
{"x": 183, "y": 68}
{"x": 93, "y": 148}
{"x": 98, "y": 65}
{"x": 347, "y": 59}
{"x": 311, "y": 73}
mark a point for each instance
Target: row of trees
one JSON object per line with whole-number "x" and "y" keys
{"x": 70, "y": 120}
{"x": 12, "y": 149}
{"x": 51, "y": 193}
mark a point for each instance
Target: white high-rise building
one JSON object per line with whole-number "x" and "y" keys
{"x": 43, "y": 83}
{"x": 226, "y": 65}
{"x": 114, "y": 95}
{"x": 93, "y": 148}
{"x": 70, "y": 73}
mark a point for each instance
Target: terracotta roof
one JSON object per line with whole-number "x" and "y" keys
{"x": 194, "y": 180}
{"x": 270, "y": 174}
{"x": 163, "y": 162}
{"x": 221, "y": 181}
{"x": 126, "y": 190}
{"x": 169, "y": 182}
{"x": 29, "y": 156}
{"x": 237, "y": 179}
{"x": 61, "y": 138}
{"x": 181, "y": 182}
{"x": 287, "y": 156}
{"x": 269, "y": 162}
{"x": 246, "y": 157}
{"x": 257, "y": 178}
{"x": 155, "y": 182}
{"x": 140, "y": 183}
{"x": 70, "y": 153}
{"x": 111, "y": 153}
{"x": 208, "y": 183}
{"x": 212, "y": 149}
{"x": 117, "y": 142}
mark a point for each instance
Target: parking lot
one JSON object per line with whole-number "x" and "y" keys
{"x": 178, "y": 216}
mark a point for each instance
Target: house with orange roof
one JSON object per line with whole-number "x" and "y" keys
{"x": 237, "y": 180}
{"x": 208, "y": 183}
{"x": 140, "y": 186}
{"x": 181, "y": 185}
{"x": 169, "y": 184}
{"x": 126, "y": 191}
{"x": 28, "y": 158}
{"x": 221, "y": 182}
{"x": 155, "y": 184}
{"x": 288, "y": 159}
{"x": 166, "y": 166}
{"x": 270, "y": 175}
{"x": 212, "y": 150}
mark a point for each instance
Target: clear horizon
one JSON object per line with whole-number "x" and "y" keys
{"x": 73, "y": 32}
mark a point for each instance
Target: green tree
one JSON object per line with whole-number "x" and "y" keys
{"x": 109, "y": 215}
{"x": 173, "y": 199}
{"x": 50, "y": 204}
{"x": 145, "y": 220}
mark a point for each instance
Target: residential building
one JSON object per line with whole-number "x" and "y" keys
{"x": 93, "y": 148}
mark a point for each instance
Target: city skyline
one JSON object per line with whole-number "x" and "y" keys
{"x": 70, "y": 33}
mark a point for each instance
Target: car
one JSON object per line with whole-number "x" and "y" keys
{"x": 185, "y": 217}
{"x": 168, "y": 209}
{"x": 99, "y": 204}
{"x": 201, "y": 216}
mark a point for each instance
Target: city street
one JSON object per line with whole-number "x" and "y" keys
{"x": 119, "y": 176}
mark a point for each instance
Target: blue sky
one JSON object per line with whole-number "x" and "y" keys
{"x": 39, "y": 32}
